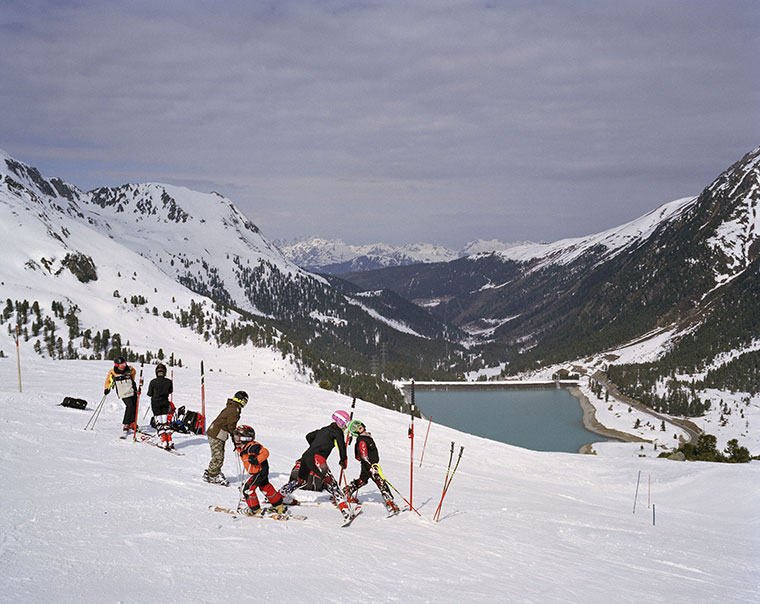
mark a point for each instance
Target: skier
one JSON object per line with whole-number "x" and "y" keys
{"x": 220, "y": 429}
{"x": 314, "y": 459}
{"x": 365, "y": 451}
{"x": 159, "y": 390}
{"x": 122, "y": 377}
{"x": 254, "y": 457}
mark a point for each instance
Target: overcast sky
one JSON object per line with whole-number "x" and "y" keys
{"x": 440, "y": 121}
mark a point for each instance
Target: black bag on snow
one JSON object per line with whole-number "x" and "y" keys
{"x": 188, "y": 422}
{"x": 313, "y": 482}
{"x": 74, "y": 403}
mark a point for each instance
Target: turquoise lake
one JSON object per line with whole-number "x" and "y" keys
{"x": 542, "y": 420}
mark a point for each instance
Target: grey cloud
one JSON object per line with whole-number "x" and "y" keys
{"x": 386, "y": 119}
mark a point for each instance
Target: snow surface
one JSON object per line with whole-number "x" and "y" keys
{"x": 91, "y": 518}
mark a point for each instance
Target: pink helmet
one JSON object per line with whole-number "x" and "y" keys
{"x": 341, "y": 418}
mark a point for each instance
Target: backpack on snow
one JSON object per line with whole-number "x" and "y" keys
{"x": 188, "y": 422}
{"x": 74, "y": 403}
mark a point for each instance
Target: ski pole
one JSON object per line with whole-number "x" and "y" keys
{"x": 446, "y": 490}
{"x": 388, "y": 482}
{"x": 446, "y": 479}
{"x": 348, "y": 436}
{"x": 95, "y": 414}
{"x": 430, "y": 421}
{"x": 137, "y": 403}
{"x": 437, "y": 514}
{"x": 242, "y": 482}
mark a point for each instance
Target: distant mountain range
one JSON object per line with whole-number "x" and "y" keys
{"x": 335, "y": 257}
{"x": 686, "y": 272}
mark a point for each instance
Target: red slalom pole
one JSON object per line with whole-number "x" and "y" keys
{"x": 430, "y": 421}
{"x": 137, "y": 403}
{"x": 411, "y": 438}
{"x": 18, "y": 360}
{"x": 203, "y": 399}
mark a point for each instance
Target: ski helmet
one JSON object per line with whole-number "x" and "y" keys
{"x": 341, "y": 418}
{"x": 160, "y": 370}
{"x": 243, "y": 434}
{"x": 354, "y": 426}
{"x": 119, "y": 363}
{"x": 241, "y": 397}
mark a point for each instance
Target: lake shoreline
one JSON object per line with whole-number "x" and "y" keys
{"x": 593, "y": 425}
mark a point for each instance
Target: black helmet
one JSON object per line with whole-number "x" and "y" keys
{"x": 241, "y": 397}
{"x": 160, "y": 370}
{"x": 243, "y": 434}
{"x": 120, "y": 363}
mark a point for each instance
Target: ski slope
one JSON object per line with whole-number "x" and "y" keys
{"x": 89, "y": 518}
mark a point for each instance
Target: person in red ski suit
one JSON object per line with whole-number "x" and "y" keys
{"x": 366, "y": 453}
{"x": 314, "y": 459}
{"x": 254, "y": 457}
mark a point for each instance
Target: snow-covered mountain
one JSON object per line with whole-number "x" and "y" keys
{"x": 166, "y": 249}
{"x": 336, "y": 257}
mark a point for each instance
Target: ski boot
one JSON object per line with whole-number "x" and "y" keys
{"x": 218, "y": 479}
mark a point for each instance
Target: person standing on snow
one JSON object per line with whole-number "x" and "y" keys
{"x": 314, "y": 459}
{"x": 254, "y": 457}
{"x": 122, "y": 377}
{"x": 218, "y": 432}
{"x": 365, "y": 451}
{"x": 159, "y": 390}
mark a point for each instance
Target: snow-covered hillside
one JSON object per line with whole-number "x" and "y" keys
{"x": 91, "y": 518}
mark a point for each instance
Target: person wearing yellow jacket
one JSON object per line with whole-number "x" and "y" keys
{"x": 122, "y": 378}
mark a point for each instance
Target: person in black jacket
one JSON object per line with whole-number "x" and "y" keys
{"x": 314, "y": 459}
{"x": 366, "y": 453}
{"x": 159, "y": 390}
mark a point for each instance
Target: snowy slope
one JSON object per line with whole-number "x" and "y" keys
{"x": 88, "y": 518}
{"x": 615, "y": 240}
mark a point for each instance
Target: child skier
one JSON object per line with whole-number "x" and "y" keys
{"x": 159, "y": 390}
{"x": 122, "y": 377}
{"x": 220, "y": 429}
{"x": 365, "y": 451}
{"x": 254, "y": 457}
{"x": 314, "y": 459}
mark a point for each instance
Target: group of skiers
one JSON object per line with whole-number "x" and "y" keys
{"x": 253, "y": 455}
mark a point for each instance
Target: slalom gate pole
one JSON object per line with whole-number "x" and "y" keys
{"x": 653, "y": 518}
{"x": 388, "y": 482}
{"x": 18, "y": 360}
{"x": 411, "y": 439}
{"x": 94, "y": 417}
{"x": 137, "y": 402}
{"x": 448, "y": 484}
{"x": 430, "y": 421}
{"x": 636, "y": 496}
{"x": 203, "y": 399}
{"x": 348, "y": 437}
{"x": 445, "y": 480}
{"x": 345, "y": 492}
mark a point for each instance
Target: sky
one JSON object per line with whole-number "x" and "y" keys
{"x": 439, "y": 121}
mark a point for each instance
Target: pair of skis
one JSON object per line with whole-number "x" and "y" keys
{"x": 270, "y": 515}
